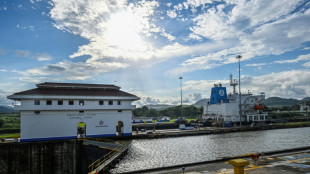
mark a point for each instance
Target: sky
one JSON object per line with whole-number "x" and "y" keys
{"x": 145, "y": 46}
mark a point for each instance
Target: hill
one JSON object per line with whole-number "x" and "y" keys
{"x": 7, "y": 110}
{"x": 277, "y": 101}
{"x": 201, "y": 102}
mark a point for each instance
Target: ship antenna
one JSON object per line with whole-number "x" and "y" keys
{"x": 233, "y": 83}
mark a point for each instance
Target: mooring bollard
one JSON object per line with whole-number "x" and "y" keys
{"x": 239, "y": 165}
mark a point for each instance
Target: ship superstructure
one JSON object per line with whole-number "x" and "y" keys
{"x": 224, "y": 107}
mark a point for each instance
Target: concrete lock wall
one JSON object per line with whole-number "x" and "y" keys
{"x": 41, "y": 157}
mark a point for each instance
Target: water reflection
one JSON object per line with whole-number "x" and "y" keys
{"x": 155, "y": 153}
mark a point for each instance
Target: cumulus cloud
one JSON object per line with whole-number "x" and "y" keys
{"x": 43, "y": 57}
{"x": 3, "y": 98}
{"x": 286, "y": 84}
{"x": 150, "y": 100}
{"x": 68, "y": 70}
{"x": 115, "y": 29}
{"x": 195, "y": 97}
{"x": 276, "y": 34}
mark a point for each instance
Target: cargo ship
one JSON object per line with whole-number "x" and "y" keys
{"x": 224, "y": 108}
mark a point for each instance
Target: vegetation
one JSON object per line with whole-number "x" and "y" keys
{"x": 174, "y": 112}
{"x": 9, "y": 125}
{"x": 292, "y": 123}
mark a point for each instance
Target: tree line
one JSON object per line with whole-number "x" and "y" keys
{"x": 173, "y": 112}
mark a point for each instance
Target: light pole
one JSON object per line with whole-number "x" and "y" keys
{"x": 240, "y": 112}
{"x": 181, "y": 94}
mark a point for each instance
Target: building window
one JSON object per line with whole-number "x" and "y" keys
{"x": 48, "y": 102}
{"x": 60, "y": 102}
{"x": 119, "y": 102}
{"x": 81, "y": 102}
{"x": 71, "y": 102}
{"x": 110, "y": 102}
{"x": 100, "y": 102}
{"x": 37, "y": 102}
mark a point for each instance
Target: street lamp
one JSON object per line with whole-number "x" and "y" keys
{"x": 240, "y": 112}
{"x": 181, "y": 94}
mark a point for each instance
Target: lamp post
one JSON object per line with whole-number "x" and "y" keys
{"x": 240, "y": 112}
{"x": 181, "y": 94}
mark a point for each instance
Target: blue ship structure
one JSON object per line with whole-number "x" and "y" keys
{"x": 224, "y": 107}
{"x": 218, "y": 94}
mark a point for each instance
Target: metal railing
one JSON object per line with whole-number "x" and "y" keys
{"x": 108, "y": 158}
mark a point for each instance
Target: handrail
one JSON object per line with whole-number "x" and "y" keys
{"x": 106, "y": 157}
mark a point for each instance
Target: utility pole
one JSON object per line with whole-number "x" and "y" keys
{"x": 240, "y": 112}
{"x": 181, "y": 95}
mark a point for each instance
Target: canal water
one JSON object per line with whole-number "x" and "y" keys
{"x": 154, "y": 153}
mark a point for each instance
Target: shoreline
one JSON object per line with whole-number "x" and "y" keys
{"x": 167, "y": 133}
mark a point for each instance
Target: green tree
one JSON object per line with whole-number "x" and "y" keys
{"x": 1, "y": 123}
{"x": 152, "y": 113}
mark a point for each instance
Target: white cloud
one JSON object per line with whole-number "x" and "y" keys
{"x": 3, "y": 100}
{"x": 256, "y": 64}
{"x": 307, "y": 64}
{"x": 213, "y": 24}
{"x": 285, "y": 34}
{"x": 43, "y": 57}
{"x": 298, "y": 59}
{"x": 286, "y": 84}
{"x": 172, "y": 14}
{"x": 116, "y": 30}
{"x": 68, "y": 70}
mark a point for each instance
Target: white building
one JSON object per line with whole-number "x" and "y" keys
{"x": 55, "y": 111}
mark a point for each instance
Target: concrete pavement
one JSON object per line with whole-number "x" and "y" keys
{"x": 286, "y": 163}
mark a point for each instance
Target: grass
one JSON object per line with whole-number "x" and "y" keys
{"x": 14, "y": 135}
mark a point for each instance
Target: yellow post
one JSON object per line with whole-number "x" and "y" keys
{"x": 239, "y": 165}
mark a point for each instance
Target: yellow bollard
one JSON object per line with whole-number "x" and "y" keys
{"x": 239, "y": 165}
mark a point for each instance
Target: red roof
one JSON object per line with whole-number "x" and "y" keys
{"x": 76, "y": 85}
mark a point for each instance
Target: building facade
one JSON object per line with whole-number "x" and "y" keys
{"x": 55, "y": 111}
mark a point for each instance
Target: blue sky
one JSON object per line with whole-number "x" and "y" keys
{"x": 145, "y": 46}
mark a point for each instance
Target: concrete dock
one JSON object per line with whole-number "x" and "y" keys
{"x": 287, "y": 162}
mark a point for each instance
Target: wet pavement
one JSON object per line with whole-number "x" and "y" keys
{"x": 288, "y": 163}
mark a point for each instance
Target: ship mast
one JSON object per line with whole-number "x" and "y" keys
{"x": 233, "y": 83}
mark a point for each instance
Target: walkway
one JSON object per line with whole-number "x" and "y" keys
{"x": 289, "y": 163}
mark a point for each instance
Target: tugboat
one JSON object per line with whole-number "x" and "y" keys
{"x": 224, "y": 108}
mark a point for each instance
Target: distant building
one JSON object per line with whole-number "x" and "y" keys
{"x": 163, "y": 119}
{"x": 142, "y": 120}
{"x": 159, "y": 107}
{"x": 55, "y": 111}
{"x": 304, "y": 108}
